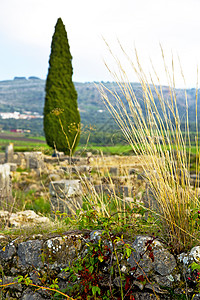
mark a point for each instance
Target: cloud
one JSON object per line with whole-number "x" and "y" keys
{"x": 27, "y": 26}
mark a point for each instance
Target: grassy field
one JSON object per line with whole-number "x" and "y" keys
{"x": 107, "y": 150}
{"x": 23, "y": 142}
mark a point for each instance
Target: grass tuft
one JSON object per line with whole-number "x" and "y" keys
{"x": 152, "y": 126}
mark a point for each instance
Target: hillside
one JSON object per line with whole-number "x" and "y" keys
{"x": 23, "y": 94}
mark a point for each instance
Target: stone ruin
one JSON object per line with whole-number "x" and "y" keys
{"x": 5, "y": 187}
{"x": 165, "y": 270}
{"x": 150, "y": 269}
{"x": 65, "y": 193}
{"x": 112, "y": 176}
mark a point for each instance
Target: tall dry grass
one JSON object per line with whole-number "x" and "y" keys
{"x": 156, "y": 133}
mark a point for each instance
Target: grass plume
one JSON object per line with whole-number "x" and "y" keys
{"x": 155, "y": 132}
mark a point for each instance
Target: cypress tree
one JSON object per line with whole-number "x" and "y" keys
{"x": 61, "y": 115}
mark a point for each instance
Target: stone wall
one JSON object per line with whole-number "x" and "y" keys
{"x": 5, "y": 187}
{"x": 147, "y": 271}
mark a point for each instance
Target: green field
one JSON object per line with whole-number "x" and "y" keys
{"x": 107, "y": 150}
{"x": 24, "y": 142}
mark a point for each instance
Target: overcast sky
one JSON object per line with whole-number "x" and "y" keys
{"x": 27, "y": 26}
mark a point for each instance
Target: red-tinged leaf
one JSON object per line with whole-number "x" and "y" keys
{"x": 151, "y": 256}
{"x": 127, "y": 285}
{"x": 149, "y": 248}
{"x": 140, "y": 278}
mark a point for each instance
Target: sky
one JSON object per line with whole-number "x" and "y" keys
{"x": 27, "y": 26}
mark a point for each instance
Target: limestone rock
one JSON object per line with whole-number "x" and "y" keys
{"x": 50, "y": 255}
{"x": 164, "y": 262}
{"x": 150, "y": 254}
{"x": 34, "y": 160}
{"x": 54, "y": 177}
{"x": 7, "y": 252}
{"x": 22, "y": 219}
{"x": 29, "y": 253}
{"x": 192, "y": 256}
{"x": 62, "y": 250}
{"x": 195, "y": 254}
{"x": 10, "y": 279}
{"x": 31, "y": 295}
{"x": 13, "y": 167}
{"x": 5, "y": 186}
{"x": 9, "y": 153}
{"x": 163, "y": 280}
{"x": 65, "y": 188}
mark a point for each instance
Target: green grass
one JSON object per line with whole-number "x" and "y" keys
{"x": 33, "y": 145}
{"x": 24, "y": 145}
{"x": 20, "y": 143}
{"x": 42, "y": 138}
{"x": 108, "y": 150}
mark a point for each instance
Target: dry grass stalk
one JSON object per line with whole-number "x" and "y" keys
{"x": 156, "y": 133}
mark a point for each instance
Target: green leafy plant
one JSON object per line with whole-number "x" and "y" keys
{"x": 28, "y": 282}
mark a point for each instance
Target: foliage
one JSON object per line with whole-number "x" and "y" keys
{"x": 28, "y": 282}
{"x": 61, "y": 116}
{"x": 29, "y": 200}
{"x": 107, "y": 249}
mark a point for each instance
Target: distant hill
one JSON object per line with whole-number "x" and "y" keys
{"x": 23, "y": 94}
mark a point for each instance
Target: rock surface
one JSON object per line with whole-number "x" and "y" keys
{"x": 22, "y": 219}
{"x": 148, "y": 272}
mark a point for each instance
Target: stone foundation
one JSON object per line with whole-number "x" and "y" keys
{"x": 149, "y": 270}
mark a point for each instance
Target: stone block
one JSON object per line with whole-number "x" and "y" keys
{"x": 13, "y": 167}
{"x": 65, "y": 195}
{"x": 114, "y": 171}
{"x": 9, "y": 153}
{"x": 22, "y": 219}
{"x": 5, "y": 186}
{"x": 65, "y": 188}
{"x": 163, "y": 262}
{"x": 67, "y": 205}
{"x": 81, "y": 169}
{"x": 2, "y": 158}
{"x": 19, "y": 159}
{"x": 105, "y": 189}
{"x": 125, "y": 191}
{"x": 54, "y": 177}
{"x": 8, "y": 252}
{"x": 29, "y": 253}
{"x": 35, "y": 160}
{"x": 195, "y": 180}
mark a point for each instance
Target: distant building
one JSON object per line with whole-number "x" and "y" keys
{"x": 16, "y": 115}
